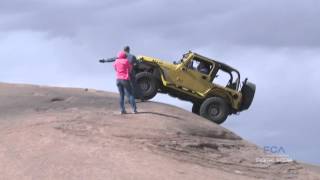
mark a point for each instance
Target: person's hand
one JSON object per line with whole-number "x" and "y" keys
{"x": 102, "y": 61}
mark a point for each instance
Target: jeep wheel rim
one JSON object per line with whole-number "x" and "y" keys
{"x": 144, "y": 84}
{"x": 213, "y": 110}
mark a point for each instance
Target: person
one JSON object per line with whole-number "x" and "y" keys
{"x": 133, "y": 61}
{"x": 203, "y": 68}
{"x": 123, "y": 69}
{"x": 131, "y": 58}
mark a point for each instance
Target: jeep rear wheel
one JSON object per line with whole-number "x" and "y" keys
{"x": 146, "y": 85}
{"x": 215, "y": 109}
{"x": 196, "y": 108}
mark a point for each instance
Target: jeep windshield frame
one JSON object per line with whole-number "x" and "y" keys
{"x": 184, "y": 58}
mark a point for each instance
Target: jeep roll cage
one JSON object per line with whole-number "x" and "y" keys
{"x": 228, "y": 69}
{"x": 224, "y": 67}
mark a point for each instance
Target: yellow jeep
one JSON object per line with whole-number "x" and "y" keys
{"x": 195, "y": 78}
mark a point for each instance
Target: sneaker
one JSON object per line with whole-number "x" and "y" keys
{"x": 123, "y": 112}
{"x": 135, "y": 112}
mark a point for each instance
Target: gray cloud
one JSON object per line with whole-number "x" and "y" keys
{"x": 191, "y": 23}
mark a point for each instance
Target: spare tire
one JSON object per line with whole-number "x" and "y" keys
{"x": 146, "y": 86}
{"x": 248, "y": 90}
{"x": 216, "y": 109}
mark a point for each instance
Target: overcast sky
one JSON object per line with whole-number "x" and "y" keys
{"x": 275, "y": 43}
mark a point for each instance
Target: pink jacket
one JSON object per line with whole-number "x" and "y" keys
{"x": 122, "y": 66}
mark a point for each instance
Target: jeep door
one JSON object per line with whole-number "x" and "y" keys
{"x": 194, "y": 78}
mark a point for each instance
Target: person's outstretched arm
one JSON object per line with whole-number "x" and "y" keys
{"x": 108, "y": 60}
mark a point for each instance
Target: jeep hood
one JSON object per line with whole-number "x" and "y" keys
{"x": 161, "y": 63}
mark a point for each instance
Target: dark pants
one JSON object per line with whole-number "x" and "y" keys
{"x": 125, "y": 87}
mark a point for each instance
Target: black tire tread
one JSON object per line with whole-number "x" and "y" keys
{"x": 152, "y": 91}
{"x": 224, "y": 109}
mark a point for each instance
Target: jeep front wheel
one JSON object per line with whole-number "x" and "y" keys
{"x": 215, "y": 109}
{"x": 146, "y": 85}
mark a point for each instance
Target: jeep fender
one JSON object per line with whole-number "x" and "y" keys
{"x": 226, "y": 96}
{"x": 154, "y": 69}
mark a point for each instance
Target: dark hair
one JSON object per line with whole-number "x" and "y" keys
{"x": 126, "y": 49}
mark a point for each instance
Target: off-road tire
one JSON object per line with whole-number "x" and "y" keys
{"x": 216, "y": 109}
{"x": 196, "y": 108}
{"x": 248, "y": 91}
{"x": 147, "y": 85}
